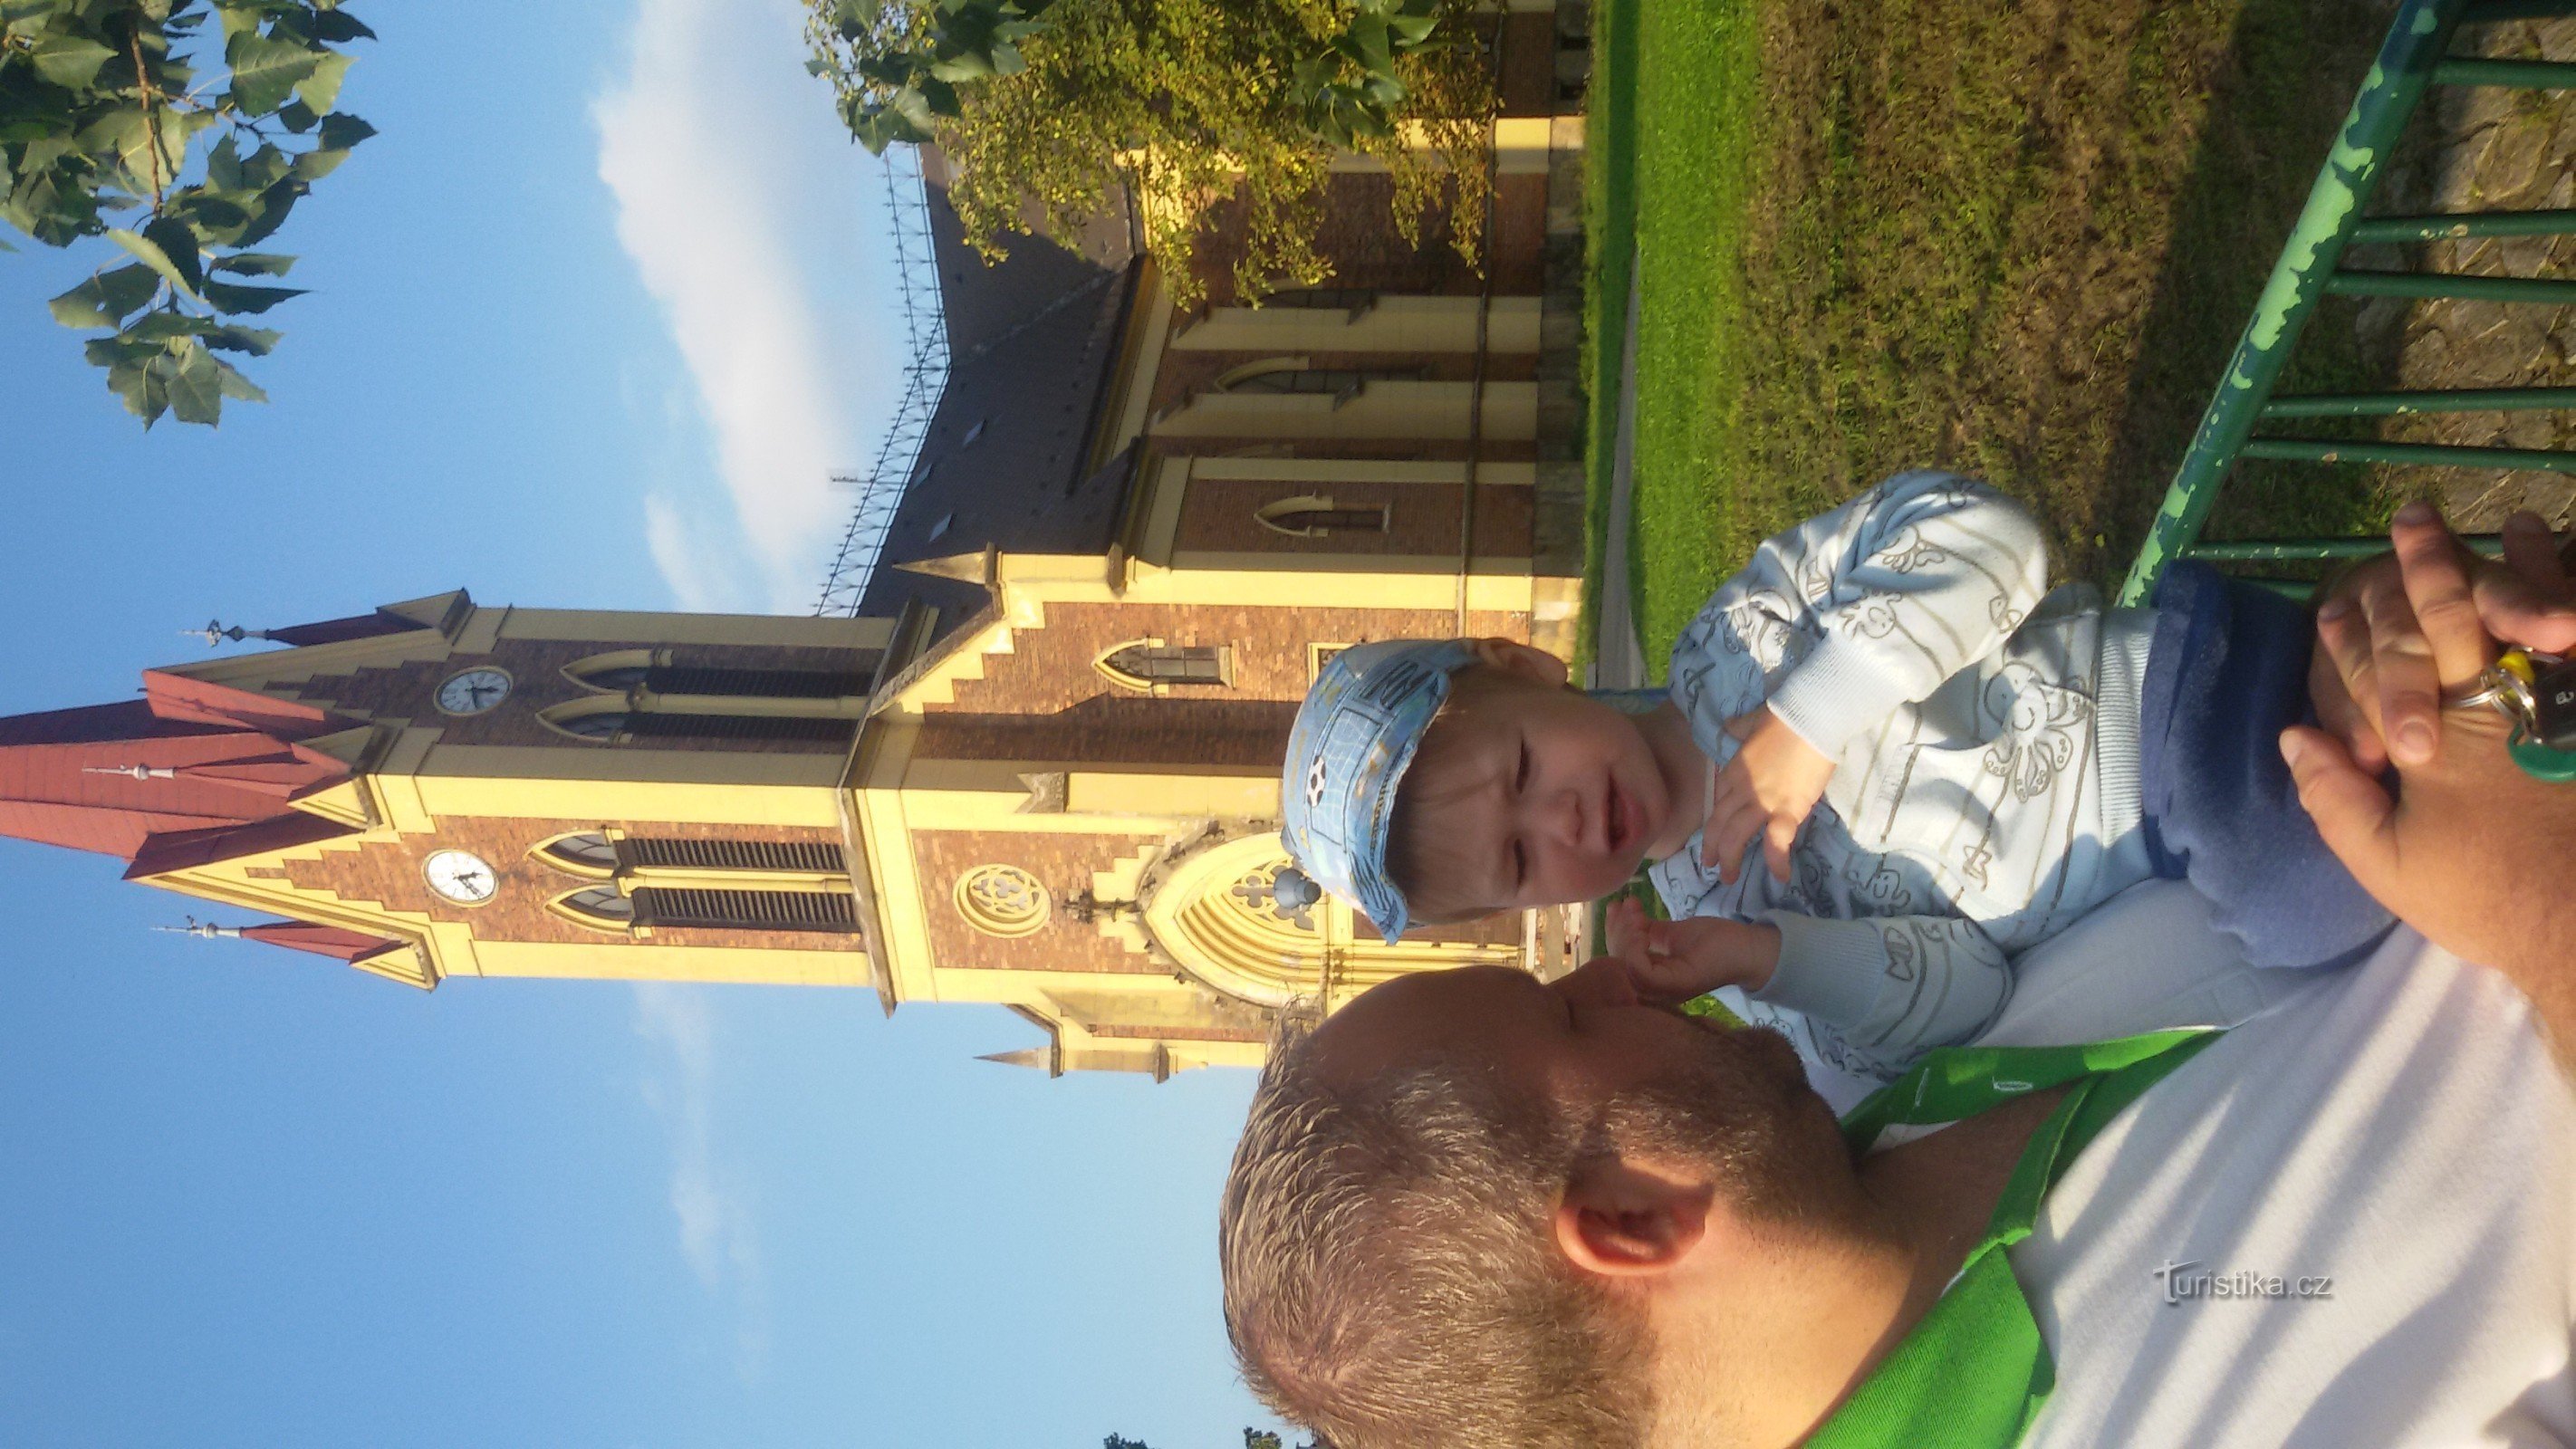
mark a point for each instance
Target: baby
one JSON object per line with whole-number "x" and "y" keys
{"x": 1939, "y": 765}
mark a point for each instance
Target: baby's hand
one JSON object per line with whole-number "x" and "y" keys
{"x": 1766, "y": 790}
{"x": 1672, "y": 961}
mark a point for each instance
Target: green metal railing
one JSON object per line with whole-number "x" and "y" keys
{"x": 2414, "y": 57}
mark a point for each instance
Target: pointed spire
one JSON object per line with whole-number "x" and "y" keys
{"x": 983, "y": 566}
{"x": 1038, "y": 1058}
{"x": 188, "y": 759}
{"x": 293, "y": 935}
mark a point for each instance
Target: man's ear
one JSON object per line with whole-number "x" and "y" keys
{"x": 1620, "y": 1220}
{"x": 1531, "y": 663}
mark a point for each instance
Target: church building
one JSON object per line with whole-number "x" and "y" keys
{"x": 1037, "y": 765}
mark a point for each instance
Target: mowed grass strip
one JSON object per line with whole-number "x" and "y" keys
{"x": 2017, "y": 241}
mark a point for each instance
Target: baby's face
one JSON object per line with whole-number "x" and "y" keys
{"x": 1533, "y": 796}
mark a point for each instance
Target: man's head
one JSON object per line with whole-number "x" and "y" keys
{"x": 1431, "y": 782}
{"x": 1466, "y": 1207}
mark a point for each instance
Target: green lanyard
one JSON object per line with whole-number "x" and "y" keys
{"x": 1974, "y": 1372}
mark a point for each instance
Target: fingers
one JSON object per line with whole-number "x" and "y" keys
{"x": 1777, "y": 839}
{"x": 1729, "y": 836}
{"x": 1728, "y": 797}
{"x": 2401, "y": 689}
{"x": 2436, "y": 572}
{"x": 2350, "y": 809}
{"x": 1619, "y": 925}
{"x": 2529, "y": 601}
{"x": 2337, "y": 712}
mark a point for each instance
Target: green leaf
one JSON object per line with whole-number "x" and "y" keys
{"x": 224, "y": 167}
{"x": 318, "y": 91}
{"x": 151, "y": 255}
{"x": 197, "y": 388}
{"x": 338, "y": 26}
{"x": 341, "y": 131}
{"x": 231, "y": 338}
{"x": 178, "y": 241}
{"x": 267, "y": 71}
{"x": 237, "y": 386}
{"x": 165, "y": 324}
{"x": 297, "y": 117}
{"x": 254, "y": 264}
{"x": 145, "y": 387}
{"x": 265, "y": 167}
{"x": 69, "y": 61}
{"x": 105, "y": 299}
{"x": 274, "y": 204}
{"x": 317, "y": 163}
{"x": 234, "y": 297}
{"x": 16, "y": 13}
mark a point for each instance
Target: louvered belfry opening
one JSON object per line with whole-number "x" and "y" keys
{"x": 728, "y": 910}
{"x": 730, "y": 681}
{"x": 804, "y": 856}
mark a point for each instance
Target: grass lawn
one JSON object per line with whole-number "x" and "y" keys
{"x": 2017, "y": 240}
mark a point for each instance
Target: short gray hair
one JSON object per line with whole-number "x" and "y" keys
{"x": 1391, "y": 1275}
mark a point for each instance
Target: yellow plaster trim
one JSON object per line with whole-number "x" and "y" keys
{"x": 1360, "y": 470}
{"x": 1392, "y": 323}
{"x": 657, "y": 961}
{"x": 1094, "y": 793}
{"x": 485, "y": 779}
{"x": 715, "y": 801}
{"x": 1384, "y": 408}
{"x": 643, "y": 628}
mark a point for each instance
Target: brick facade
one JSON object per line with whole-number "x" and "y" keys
{"x": 539, "y": 682}
{"x": 389, "y": 873}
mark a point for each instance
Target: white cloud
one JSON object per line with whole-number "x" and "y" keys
{"x": 717, "y": 1232}
{"x": 699, "y": 583}
{"x": 746, "y": 211}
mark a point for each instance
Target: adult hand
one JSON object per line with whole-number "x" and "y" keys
{"x": 2472, "y": 852}
{"x": 2384, "y": 701}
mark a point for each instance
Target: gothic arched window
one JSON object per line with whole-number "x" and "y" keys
{"x": 590, "y": 853}
{"x": 1308, "y": 516}
{"x": 1149, "y": 666}
{"x": 601, "y": 908}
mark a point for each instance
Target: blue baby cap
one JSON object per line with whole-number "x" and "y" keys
{"x": 1353, "y": 739}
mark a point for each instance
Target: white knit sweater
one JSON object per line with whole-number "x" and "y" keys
{"x": 1985, "y": 739}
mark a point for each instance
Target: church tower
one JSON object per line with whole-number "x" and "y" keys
{"x": 1065, "y": 803}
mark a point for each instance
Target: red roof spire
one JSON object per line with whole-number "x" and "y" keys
{"x": 188, "y": 759}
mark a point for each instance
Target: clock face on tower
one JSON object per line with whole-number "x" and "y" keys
{"x": 472, "y": 691}
{"x": 461, "y": 876}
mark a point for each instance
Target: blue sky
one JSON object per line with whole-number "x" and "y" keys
{"x": 591, "y": 319}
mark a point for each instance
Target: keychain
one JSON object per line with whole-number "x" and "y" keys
{"x": 2538, "y": 693}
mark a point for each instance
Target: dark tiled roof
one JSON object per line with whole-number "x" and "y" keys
{"x": 1032, "y": 343}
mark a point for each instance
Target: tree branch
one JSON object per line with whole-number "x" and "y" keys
{"x": 151, "y": 97}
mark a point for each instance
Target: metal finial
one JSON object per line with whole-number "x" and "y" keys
{"x": 133, "y": 772}
{"x": 202, "y": 930}
{"x": 216, "y": 632}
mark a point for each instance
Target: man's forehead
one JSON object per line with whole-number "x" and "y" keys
{"x": 1416, "y": 1015}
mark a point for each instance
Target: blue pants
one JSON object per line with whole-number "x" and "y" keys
{"x": 2226, "y": 673}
